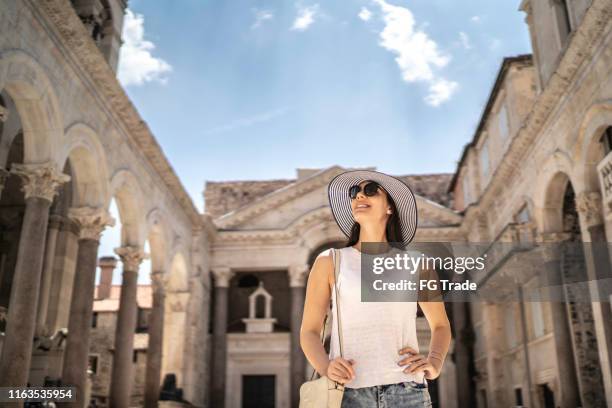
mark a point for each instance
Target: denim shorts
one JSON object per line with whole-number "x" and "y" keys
{"x": 405, "y": 395}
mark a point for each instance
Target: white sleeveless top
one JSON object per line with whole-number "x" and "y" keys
{"x": 372, "y": 332}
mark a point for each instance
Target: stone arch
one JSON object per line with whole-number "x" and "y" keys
{"x": 127, "y": 193}
{"x": 82, "y": 149}
{"x": 588, "y": 151}
{"x": 549, "y": 191}
{"x": 38, "y": 107}
{"x": 157, "y": 234}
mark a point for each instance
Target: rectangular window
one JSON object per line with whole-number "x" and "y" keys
{"x": 502, "y": 122}
{"x": 537, "y": 319}
{"x": 142, "y": 322}
{"x": 518, "y": 397}
{"x": 484, "y": 160}
{"x": 94, "y": 319}
{"x": 466, "y": 191}
{"x": 606, "y": 140}
{"x": 510, "y": 326}
{"x": 482, "y": 398}
{"x": 563, "y": 17}
{"x": 93, "y": 363}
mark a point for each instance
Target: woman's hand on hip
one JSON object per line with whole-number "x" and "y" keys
{"x": 341, "y": 370}
{"x": 416, "y": 363}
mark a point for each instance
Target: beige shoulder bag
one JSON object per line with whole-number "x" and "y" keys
{"x": 324, "y": 392}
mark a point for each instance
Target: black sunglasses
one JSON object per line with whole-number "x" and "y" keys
{"x": 370, "y": 189}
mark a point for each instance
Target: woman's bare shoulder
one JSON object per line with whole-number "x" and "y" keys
{"x": 323, "y": 265}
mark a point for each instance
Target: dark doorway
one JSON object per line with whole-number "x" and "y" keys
{"x": 258, "y": 391}
{"x": 547, "y": 396}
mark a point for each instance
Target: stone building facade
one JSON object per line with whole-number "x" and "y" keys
{"x": 537, "y": 171}
{"x": 535, "y": 174}
{"x": 70, "y": 142}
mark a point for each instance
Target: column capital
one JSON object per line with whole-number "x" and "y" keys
{"x": 298, "y": 275}
{"x": 589, "y": 207}
{"x": 91, "y": 221}
{"x": 40, "y": 180}
{"x": 222, "y": 277}
{"x": 107, "y": 261}
{"x": 131, "y": 257}
{"x": 158, "y": 282}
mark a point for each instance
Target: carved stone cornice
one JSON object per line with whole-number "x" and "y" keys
{"x": 131, "y": 257}
{"x": 91, "y": 221}
{"x": 222, "y": 277}
{"x": 277, "y": 198}
{"x": 589, "y": 207}
{"x": 90, "y": 61}
{"x": 298, "y": 275}
{"x": 40, "y": 180}
{"x": 158, "y": 282}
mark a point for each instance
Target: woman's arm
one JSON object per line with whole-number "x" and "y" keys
{"x": 435, "y": 313}
{"x": 318, "y": 295}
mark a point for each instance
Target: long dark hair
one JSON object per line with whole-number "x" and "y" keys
{"x": 393, "y": 232}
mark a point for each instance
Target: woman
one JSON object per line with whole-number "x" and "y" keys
{"x": 381, "y": 366}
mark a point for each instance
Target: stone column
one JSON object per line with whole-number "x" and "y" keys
{"x": 121, "y": 377}
{"x": 47, "y": 274}
{"x": 91, "y": 223}
{"x": 156, "y": 336}
{"x": 297, "y": 282}
{"x": 589, "y": 207}
{"x": 564, "y": 351}
{"x": 219, "y": 343}
{"x": 40, "y": 184}
{"x": 464, "y": 354}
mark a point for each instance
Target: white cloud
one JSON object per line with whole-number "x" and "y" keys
{"x": 417, "y": 55}
{"x": 261, "y": 16}
{"x": 475, "y": 19}
{"x": 365, "y": 14}
{"x": 440, "y": 90}
{"x": 305, "y": 17}
{"x": 137, "y": 65}
{"x": 465, "y": 40}
{"x": 248, "y": 121}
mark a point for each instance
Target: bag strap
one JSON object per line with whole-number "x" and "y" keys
{"x": 336, "y": 256}
{"x": 336, "y": 273}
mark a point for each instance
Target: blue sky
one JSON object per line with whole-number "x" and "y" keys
{"x": 255, "y": 89}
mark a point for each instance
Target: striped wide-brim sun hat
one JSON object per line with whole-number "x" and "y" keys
{"x": 400, "y": 192}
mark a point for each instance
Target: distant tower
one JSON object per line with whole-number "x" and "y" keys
{"x": 104, "y": 22}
